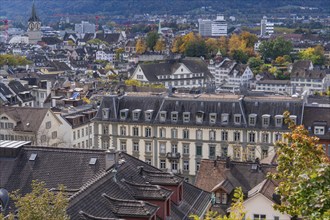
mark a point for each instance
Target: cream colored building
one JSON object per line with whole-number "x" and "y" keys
{"x": 175, "y": 133}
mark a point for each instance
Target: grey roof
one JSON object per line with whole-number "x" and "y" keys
{"x": 317, "y": 116}
{"x": 19, "y": 89}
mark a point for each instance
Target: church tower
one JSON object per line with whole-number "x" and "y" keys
{"x": 34, "y": 26}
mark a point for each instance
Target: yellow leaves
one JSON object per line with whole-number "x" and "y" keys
{"x": 160, "y": 45}
{"x": 140, "y": 46}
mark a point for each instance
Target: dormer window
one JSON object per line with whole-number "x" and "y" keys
{"x": 199, "y": 117}
{"x": 237, "y": 119}
{"x": 319, "y": 130}
{"x": 105, "y": 113}
{"x": 148, "y": 115}
{"x": 224, "y": 118}
{"x": 252, "y": 119}
{"x": 278, "y": 120}
{"x": 162, "y": 116}
{"x": 123, "y": 114}
{"x": 265, "y": 120}
{"x": 174, "y": 116}
{"x": 293, "y": 118}
{"x": 186, "y": 117}
{"x": 213, "y": 118}
{"x": 136, "y": 114}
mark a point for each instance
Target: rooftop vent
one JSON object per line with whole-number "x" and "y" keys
{"x": 33, "y": 157}
{"x": 92, "y": 161}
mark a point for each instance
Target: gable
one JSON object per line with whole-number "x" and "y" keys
{"x": 139, "y": 74}
{"x": 182, "y": 69}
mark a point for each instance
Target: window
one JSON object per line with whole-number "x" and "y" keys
{"x": 223, "y": 198}
{"x": 278, "y": 120}
{"x": 186, "y": 165}
{"x": 224, "y": 151}
{"x": 293, "y": 118}
{"x": 319, "y": 130}
{"x": 237, "y": 119}
{"x": 199, "y": 117}
{"x": 186, "y": 117}
{"x": 147, "y": 132}
{"x": 123, "y": 145}
{"x": 174, "y": 133}
{"x": 259, "y": 217}
{"x": 252, "y": 119}
{"x": 213, "y": 118}
{"x": 265, "y": 137}
{"x": 162, "y": 133}
{"x": 224, "y": 135}
{"x": 174, "y": 167}
{"x": 278, "y": 137}
{"x": 83, "y": 144}
{"x": 82, "y": 132}
{"x": 185, "y": 148}
{"x": 212, "y": 151}
{"x": 199, "y": 134}
{"x": 123, "y": 114}
{"x": 224, "y": 118}
{"x": 48, "y": 124}
{"x": 43, "y": 138}
{"x": 74, "y": 135}
{"x": 185, "y": 134}
{"x": 162, "y": 164}
{"x": 251, "y": 153}
{"x": 198, "y": 165}
{"x": 86, "y": 131}
{"x": 136, "y": 146}
{"x": 54, "y": 134}
{"x": 237, "y": 153}
{"x": 174, "y": 116}
{"x": 174, "y": 148}
{"x": 162, "y": 148}
{"x": 265, "y": 120}
{"x": 252, "y": 137}
{"x": 105, "y": 130}
{"x": 148, "y": 115}
{"x": 162, "y": 116}
{"x": 212, "y": 135}
{"x": 135, "y": 131}
{"x": 148, "y": 146}
{"x": 264, "y": 153}
{"x": 198, "y": 150}
{"x": 122, "y": 130}
{"x": 78, "y": 134}
{"x": 276, "y": 218}
{"x": 136, "y": 114}
{"x": 237, "y": 136}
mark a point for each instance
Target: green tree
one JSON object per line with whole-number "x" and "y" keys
{"x": 195, "y": 48}
{"x": 212, "y": 46}
{"x": 13, "y": 60}
{"x": 97, "y": 42}
{"x": 151, "y": 39}
{"x": 255, "y": 64}
{"x": 237, "y": 211}
{"x": 272, "y": 49}
{"x": 41, "y": 203}
{"x": 315, "y": 54}
{"x": 303, "y": 173}
{"x": 240, "y": 56}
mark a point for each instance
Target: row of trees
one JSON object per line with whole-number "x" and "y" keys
{"x": 13, "y": 60}
{"x": 153, "y": 42}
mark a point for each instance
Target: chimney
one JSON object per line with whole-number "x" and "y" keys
{"x": 110, "y": 159}
{"x": 228, "y": 163}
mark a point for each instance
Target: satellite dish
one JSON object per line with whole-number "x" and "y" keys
{"x": 4, "y": 199}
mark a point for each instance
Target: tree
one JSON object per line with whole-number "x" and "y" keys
{"x": 195, "y": 48}
{"x": 249, "y": 39}
{"x": 41, "y": 203}
{"x": 223, "y": 45}
{"x": 303, "y": 173}
{"x": 315, "y": 54}
{"x": 255, "y": 64}
{"x": 176, "y": 45}
{"x": 212, "y": 46}
{"x": 151, "y": 39}
{"x": 272, "y": 49}
{"x": 13, "y": 60}
{"x": 237, "y": 211}
{"x": 140, "y": 46}
{"x": 160, "y": 45}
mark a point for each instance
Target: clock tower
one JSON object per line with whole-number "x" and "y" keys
{"x": 34, "y": 26}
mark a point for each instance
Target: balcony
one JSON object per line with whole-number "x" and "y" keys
{"x": 173, "y": 156}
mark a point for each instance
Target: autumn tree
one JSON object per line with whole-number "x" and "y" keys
{"x": 13, "y": 60}
{"x": 160, "y": 45}
{"x": 303, "y": 173}
{"x": 140, "y": 46}
{"x": 176, "y": 45}
{"x": 41, "y": 203}
{"x": 237, "y": 211}
{"x": 151, "y": 39}
{"x": 212, "y": 46}
{"x": 314, "y": 54}
{"x": 255, "y": 64}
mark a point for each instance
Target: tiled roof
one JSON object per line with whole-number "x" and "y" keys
{"x": 19, "y": 89}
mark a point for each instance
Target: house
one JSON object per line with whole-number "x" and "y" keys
{"x": 186, "y": 73}
{"x": 230, "y": 75}
{"x": 24, "y": 95}
{"x": 107, "y": 55}
{"x": 277, "y": 86}
{"x": 304, "y": 77}
{"x": 176, "y": 133}
{"x": 38, "y": 125}
{"x": 115, "y": 185}
{"x": 7, "y": 96}
{"x": 222, "y": 176}
{"x": 130, "y": 47}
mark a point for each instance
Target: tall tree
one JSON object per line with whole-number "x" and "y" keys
{"x": 212, "y": 46}
{"x": 272, "y": 49}
{"x": 160, "y": 45}
{"x": 315, "y": 54}
{"x": 303, "y": 173}
{"x": 140, "y": 46}
{"x": 176, "y": 45}
{"x": 151, "y": 39}
{"x": 41, "y": 203}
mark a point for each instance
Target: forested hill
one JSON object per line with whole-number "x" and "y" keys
{"x": 20, "y": 9}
